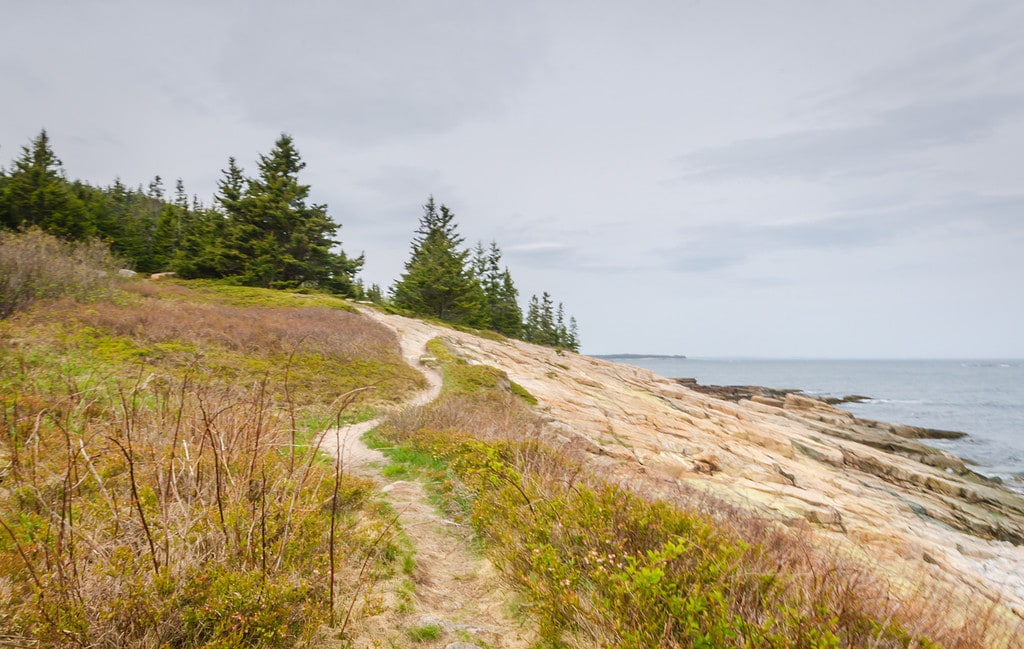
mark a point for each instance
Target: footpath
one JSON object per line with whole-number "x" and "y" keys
{"x": 453, "y": 597}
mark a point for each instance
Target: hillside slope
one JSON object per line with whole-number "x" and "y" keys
{"x": 916, "y": 514}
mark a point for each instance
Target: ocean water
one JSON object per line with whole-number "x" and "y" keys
{"x": 983, "y": 398}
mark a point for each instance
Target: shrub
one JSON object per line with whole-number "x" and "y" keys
{"x": 35, "y": 265}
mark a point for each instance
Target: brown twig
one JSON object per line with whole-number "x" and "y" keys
{"x": 127, "y": 452}
{"x": 346, "y": 400}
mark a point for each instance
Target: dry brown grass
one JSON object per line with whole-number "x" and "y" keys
{"x": 158, "y": 482}
{"x": 35, "y": 265}
{"x": 341, "y": 334}
{"x": 138, "y": 510}
{"x": 316, "y": 353}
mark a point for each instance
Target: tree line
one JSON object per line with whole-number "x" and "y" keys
{"x": 262, "y": 230}
{"x": 445, "y": 280}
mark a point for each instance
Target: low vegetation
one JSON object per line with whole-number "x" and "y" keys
{"x": 603, "y": 566}
{"x": 35, "y": 266}
{"x": 160, "y": 479}
{"x": 461, "y": 377}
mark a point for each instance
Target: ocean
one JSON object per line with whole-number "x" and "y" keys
{"x": 983, "y": 398}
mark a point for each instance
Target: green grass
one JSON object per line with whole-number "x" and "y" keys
{"x": 220, "y": 292}
{"x": 522, "y": 393}
{"x": 425, "y": 633}
{"x": 462, "y": 377}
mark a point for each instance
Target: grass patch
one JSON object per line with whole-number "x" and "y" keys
{"x": 220, "y": 292}
{"x": 522, "y": 393}
{"x": 315, "y": 354}
{"x": 461, "y": 377}
{"x": 425, "y": 633}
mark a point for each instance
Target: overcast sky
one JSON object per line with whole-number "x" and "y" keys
{"x": 771, "y": 179}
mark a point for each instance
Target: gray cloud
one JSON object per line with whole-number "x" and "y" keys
{"x": 710, "y": 249}
{"x": 370, "y": 72}
{"x": 885, "y": 142}
{"x": 984, "y": 46}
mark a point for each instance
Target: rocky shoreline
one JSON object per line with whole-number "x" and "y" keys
{"x": 777, "y": 397}
{"x": 869, "y": 490}
{"x": 991, "y": 504}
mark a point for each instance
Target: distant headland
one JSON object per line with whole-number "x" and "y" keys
{"x": 614, "y": 357}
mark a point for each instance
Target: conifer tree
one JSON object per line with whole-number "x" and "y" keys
{"x": 437, "y": 280}
{"x": 156, "y": 188}
{"x": 374, "y": 294}
{"x": 532, "y": 326}
{"x": 275, "y": 238}
{"x": 573, "y": 340}
{"x": 506, "y": 316}
{"x": 547, "y": 334}
{"x": 166, "y": 236}
{"x": 132, "y": 224}
{"x": 171, "y": 222}
{"x": 36, "y": 193}
{"x": 478, "y": 264}
{"x": 546, "y": 325}
{"x": 561, "y": 331}
{"x": 180, "y": 197}
{"x": 501, "y": 299}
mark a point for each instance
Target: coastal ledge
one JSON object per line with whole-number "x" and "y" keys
{"x": 777, "y": 397}
{"x": 863, "y": 489}
{"x": 935, "y": 485}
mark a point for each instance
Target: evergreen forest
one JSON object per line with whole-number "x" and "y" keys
{"x": 262, "y": 230}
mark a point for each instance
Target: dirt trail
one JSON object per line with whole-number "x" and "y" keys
{"x": 413, "y": 340}
{"x": 452, "y": 587}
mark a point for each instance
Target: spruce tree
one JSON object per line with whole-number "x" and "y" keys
{"x": 180, "y": 197}
{"x": 573, "y": 340}
{"x": 36, "y": 193}
{"x": 156, "y": 188}
{"x": 437, "y": 280}
{"x": 231, "y": 253}
{"x": 547, "y": 335}
{"x": 501, "y": 299}
{"x": 166, "y": 236}
{"x": 275, "y": 238}
{"x": 506, "y": 315}
{"x": 546, "y": 325}
{"x": 532, "y": 326}
{"x": 374, "y": 294}
{"x": 561, "y": 332}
